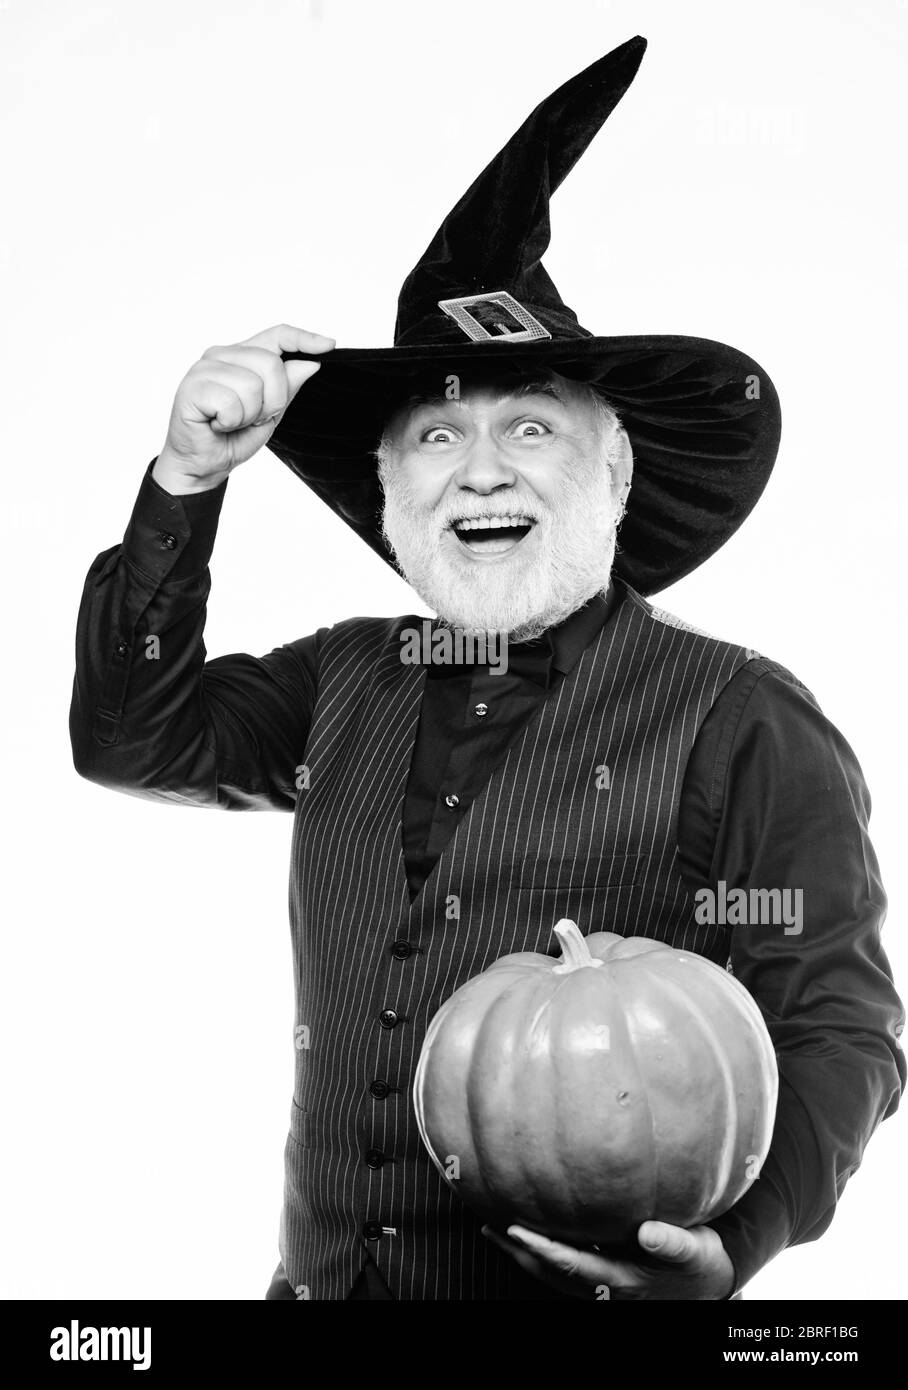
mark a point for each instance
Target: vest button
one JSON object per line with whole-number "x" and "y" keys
{"x": 452, "y": 800}
{"x": 480, "y": 711}
{"x": 401, "y": 949}
{"x": 379, "y": 1089}
{"x": 388, "y": 1018}
{"x": 372, "y": 1230}
{"x": 374, "y": 1158}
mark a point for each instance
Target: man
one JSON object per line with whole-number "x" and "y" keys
{"x": 615, "y": 767}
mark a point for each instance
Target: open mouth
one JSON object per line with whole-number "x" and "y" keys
{"x": 489, "y": 536}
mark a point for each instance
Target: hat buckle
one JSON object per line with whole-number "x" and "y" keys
{"x": 498, "y": 311}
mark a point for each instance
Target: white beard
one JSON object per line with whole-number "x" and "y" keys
{"x": 569, "y": 557}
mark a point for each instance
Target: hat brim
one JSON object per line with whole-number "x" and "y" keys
{"x": 703, "y": 421}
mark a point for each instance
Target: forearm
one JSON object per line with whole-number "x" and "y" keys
{"x": 137, "y": 722}
{"x": 149, "y": 715}
{"x": 765, "y": 1221}
{"x": 829, "y": 1106}
{"x": 781, "y": 803}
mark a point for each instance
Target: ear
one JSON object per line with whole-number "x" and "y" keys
{"x": 622, "y": 466}
{"x": 383, "y": 454}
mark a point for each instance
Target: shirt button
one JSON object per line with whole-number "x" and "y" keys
{"x": 480, "y": 711}
{"x": 379, "y": 1089}
{"x": 374, "y": 1158}
{"x": 452, "y": 800}
{"x": 168, "y": 542}
{"x": 401, "y": 949}
{"x": 372, "y": 1230}
{"x": 122, "y": 648}
{"x": 388, "y": 1018}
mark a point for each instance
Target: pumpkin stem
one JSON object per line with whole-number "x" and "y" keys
{"x": 575, "y": 953}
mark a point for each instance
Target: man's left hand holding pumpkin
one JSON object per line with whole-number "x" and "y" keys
{"x": 674, "y": 1264}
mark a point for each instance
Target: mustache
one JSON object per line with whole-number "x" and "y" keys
{"x": 447, "y": 519}
{"x": 425, "y": 522}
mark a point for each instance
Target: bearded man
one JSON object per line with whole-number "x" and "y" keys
{"x": 617, "y": 763}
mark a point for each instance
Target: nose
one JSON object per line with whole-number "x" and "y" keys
{"x": 485, "y": 468}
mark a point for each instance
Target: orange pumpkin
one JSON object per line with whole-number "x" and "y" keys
{"x": 580, "y": 1097}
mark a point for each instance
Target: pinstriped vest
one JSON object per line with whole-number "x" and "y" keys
{"x": 578, "y": 820}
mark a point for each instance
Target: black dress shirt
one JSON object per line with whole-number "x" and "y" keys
{"x": 469, "y": 716}
{"x": 772, "y": 794}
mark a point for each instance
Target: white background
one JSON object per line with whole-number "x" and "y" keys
{"x": 177, "y": 175}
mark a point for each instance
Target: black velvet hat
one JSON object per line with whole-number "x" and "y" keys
{"x": 703, "y": 419}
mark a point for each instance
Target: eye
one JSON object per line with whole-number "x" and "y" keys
{"x": 438, "y": 434}
{"x": 530, "y": 429}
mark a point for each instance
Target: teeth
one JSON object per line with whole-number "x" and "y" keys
{"x": 486, "y": 523}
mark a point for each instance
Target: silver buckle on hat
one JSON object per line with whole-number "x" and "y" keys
{"x": 499, "y": 313}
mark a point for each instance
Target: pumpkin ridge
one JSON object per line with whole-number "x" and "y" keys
{"x": 729, "y": 1121}
{"x": 458, "y": 1003}
{"x": 560, "y": 1017}
{"x": 496, "y": 1019}
{"x": 600, "y": 996}
{"x": 531, "y": 1180}
{"x": 653, "y": 1156}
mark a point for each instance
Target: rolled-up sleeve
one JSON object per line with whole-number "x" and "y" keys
{"x": 150, "y": 716}
{"x": 776, "y": 799}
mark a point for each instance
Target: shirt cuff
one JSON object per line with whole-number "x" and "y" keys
{"x": 171, "y": 537}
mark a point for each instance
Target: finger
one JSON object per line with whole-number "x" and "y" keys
{"x": 262, "y": 363}
{"x": 671, "y": 1243}
{"x": 281, "y": 380}
{"x": 541, "y": 1270}
{"x": 528, "y": 1262}
{"x": 217, "y": 405}
{"x": 248, "y": 387}
{"x": 284, "y": 337}
{"x": 563, "y": 1259}
{"x": 297, "y": 373}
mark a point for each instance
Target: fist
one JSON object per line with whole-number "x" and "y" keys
{"x": 229, "y": 403}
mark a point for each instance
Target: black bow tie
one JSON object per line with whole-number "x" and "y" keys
{"x": 530, "y": 660}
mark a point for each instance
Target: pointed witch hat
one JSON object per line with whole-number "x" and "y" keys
{"x": 703, "y": 419}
